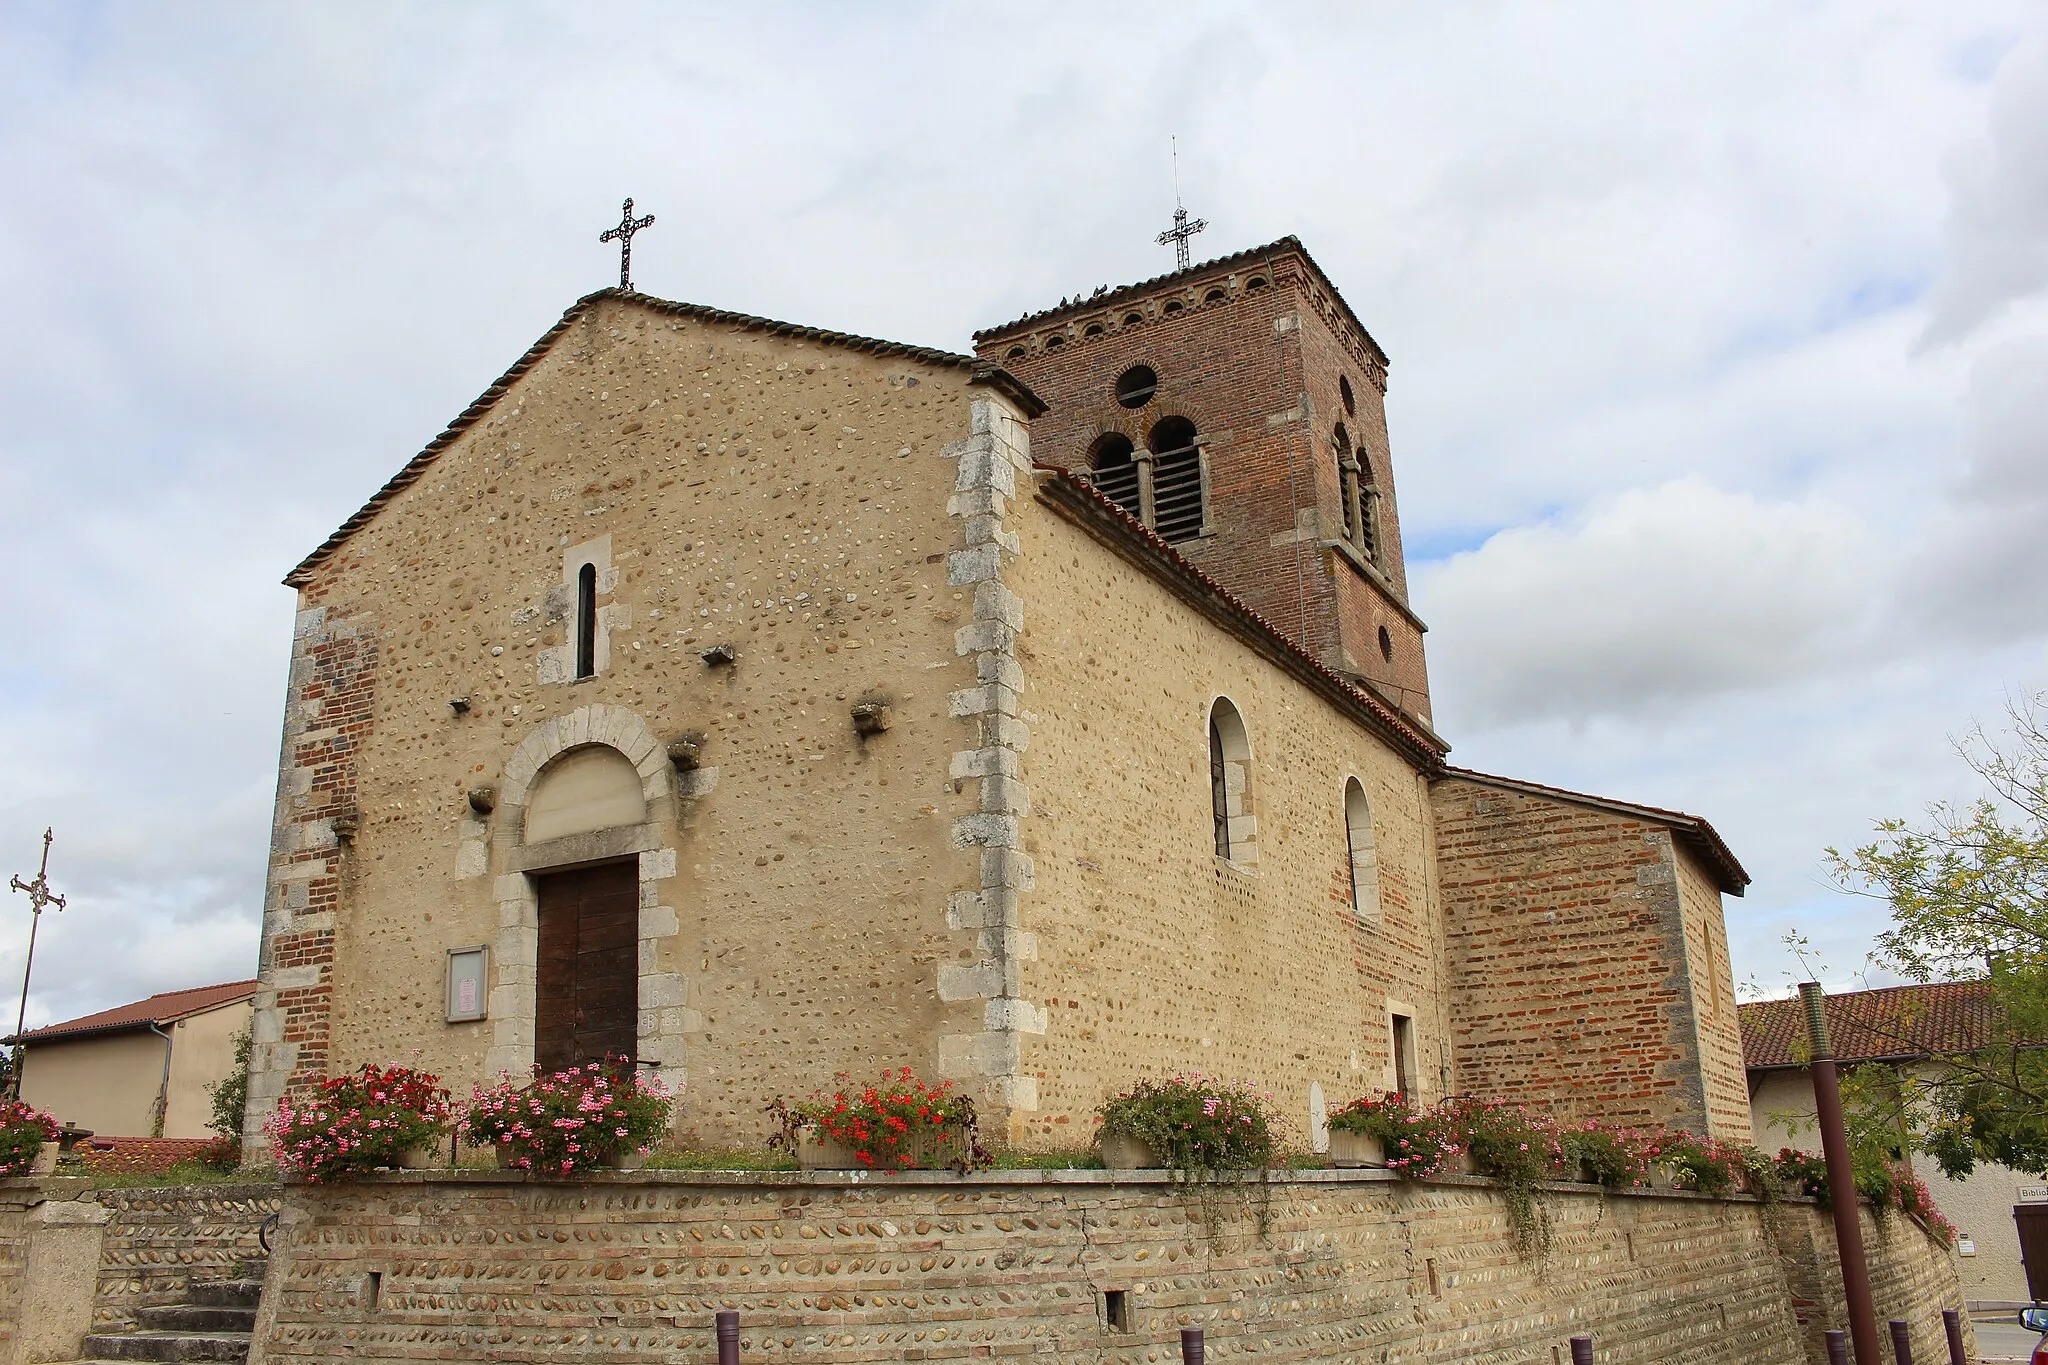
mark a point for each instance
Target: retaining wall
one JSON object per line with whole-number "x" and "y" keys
{"x": 1350, "y": 1266}
{"x": 158, "y": 1241}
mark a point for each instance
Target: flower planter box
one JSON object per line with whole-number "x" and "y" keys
{"x": 1461, "y": 1164}
{"x": 626, "y": 1159}
{"x": 46, "y": 1158}
{"x": 425, "y": 1157}
{"x": 1123, "y": 1153}
{"x": 817, "y": 1152}
{"x": 1348, "y": 1148}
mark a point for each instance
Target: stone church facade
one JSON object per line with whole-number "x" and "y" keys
{"x": 767, "y": 703}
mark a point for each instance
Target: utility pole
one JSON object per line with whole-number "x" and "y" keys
{"x": 1834, "y": 1143}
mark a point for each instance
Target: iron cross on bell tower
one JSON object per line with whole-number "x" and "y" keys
{"x": 623, "y": 235}
{"x": 1182, "y": 229}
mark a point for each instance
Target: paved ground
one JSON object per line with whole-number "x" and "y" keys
{"x": 1999, "y": 1337}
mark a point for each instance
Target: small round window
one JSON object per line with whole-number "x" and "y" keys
{"x": 1135, "y": 386}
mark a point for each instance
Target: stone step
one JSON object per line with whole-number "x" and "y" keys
{"x": 169, "y": 1346}
{"x": 196, "y": 1317}
{"x": 241, "y": 1293}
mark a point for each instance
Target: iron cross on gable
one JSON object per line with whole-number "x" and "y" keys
{"x": 623, "y": 234}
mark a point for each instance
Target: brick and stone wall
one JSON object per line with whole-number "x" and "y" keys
{"x": 1571, "y": 982}
{"x": 1255, "y": 350}
{"x": 1151, "y": 953}
{"x": 1912, "y": 1278}
{"x": 157, "y": 1241}
{"x": 1349, "y": 1266}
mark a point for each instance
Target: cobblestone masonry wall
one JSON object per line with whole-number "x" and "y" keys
{"x": 158, "y": 1241}
{"x": 788, "y": 497}
{"x": 1352, "y": 1266}
{"x": 1152, "y": 953}
{"x": 1570, "y": 980}
{"x": 1911, "y": 1278}
{"x": 16, "y": 1200}
{"x": 1257, "y": 370}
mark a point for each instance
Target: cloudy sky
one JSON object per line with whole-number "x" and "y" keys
{"x": 1720, "y": 340}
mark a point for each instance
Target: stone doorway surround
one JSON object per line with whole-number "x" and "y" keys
{"x": 496, "y": 844}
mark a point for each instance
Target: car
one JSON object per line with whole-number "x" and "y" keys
{"x": 2036, "y": 1320}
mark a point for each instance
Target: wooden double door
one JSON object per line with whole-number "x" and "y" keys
{"x": 587, "y": 990}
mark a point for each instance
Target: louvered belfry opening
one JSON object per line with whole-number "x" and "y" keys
{"x": 1176, "y": 479}
{"x": 586, "y": 991}
{"x": 1116, "y": 473}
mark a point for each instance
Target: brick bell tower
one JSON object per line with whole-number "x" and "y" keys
{"x": 1238, "y": 408}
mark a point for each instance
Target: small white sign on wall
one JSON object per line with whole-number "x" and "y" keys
{"x": 2032, "y": 1194}
{"x": 466, "y": 984}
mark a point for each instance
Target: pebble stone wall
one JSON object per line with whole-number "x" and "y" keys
{"x": 1352, "y": 1266}
{"x": 157, "y": 1241}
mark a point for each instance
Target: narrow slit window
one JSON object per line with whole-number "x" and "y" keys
{"x": 1403, "y": 1029}
{"x": 586, "y": 621}
{"x": 1347, "y": 480}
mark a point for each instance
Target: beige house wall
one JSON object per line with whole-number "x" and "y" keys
{"x": 1980, "y": 1207}
{"x": 107, "y": 1084}
{"x": 1154, "y": 955}
{"x": 202, "y": 1056}
{"x": 788, "y": 498}
{"x": 110, "y": 1083}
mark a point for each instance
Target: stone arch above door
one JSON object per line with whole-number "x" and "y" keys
{"x": 568, "y": 799}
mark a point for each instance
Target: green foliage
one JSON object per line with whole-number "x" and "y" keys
{"x": 1616, "y": 1158}
{"x": 898, "y": 1123}
{"x": 229, "y": 1096}
{"x": 1969, "y": 893}
{"x": 1195, "y": 1125}
{"x": 1517, "y": 1148}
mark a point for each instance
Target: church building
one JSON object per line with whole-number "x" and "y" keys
{"x": 764, "y": 703}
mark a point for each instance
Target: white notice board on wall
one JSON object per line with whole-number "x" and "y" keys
{"x": 466, "y": 984}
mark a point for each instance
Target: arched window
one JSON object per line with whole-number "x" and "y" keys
{"x": 1344, "y": 393}
{"x": 1368, "y": 512}
{"x": 1230, "y": 790}
{"x": 586, "y": 621}
{"x": 1114, "y": 471}
{"x": 1362, "y": 860}
{"x": 1177, "y": 503}
{"x": 1347, "y": 480}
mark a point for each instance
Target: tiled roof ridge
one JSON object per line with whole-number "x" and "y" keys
{"x": 1122, "y": 292}
{"x": 162, "y": 1008}
{"x": 983, "y": 372}
{"x": 1424, "y": 743}
{"x": 1735, "y": 876}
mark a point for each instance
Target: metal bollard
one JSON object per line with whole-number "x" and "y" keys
{"x": 1191, "y": 1348}
{"x": 1902, "y": 1342}
{"x": 728, "y": 1337}
{"x": 1838, "y": 1347}
{"x": 1582, "y": 1351}
{"x": 1952, "y": 1328}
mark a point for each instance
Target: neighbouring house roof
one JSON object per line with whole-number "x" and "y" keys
{"x": 980, "y": 371}
{"x": 1699, "y": 837}
{"x": 166, "y": 1008}
{"x": 1236, "y": 260}
{"x": 1894, "y": 1023}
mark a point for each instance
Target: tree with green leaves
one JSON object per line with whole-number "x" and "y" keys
{"x": 1968, "y": 891}
{"x": 230, "y": 1094}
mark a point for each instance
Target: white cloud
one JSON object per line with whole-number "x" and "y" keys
{"x": 1652, "y": 598}
{"x": 1996, "y": 249}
